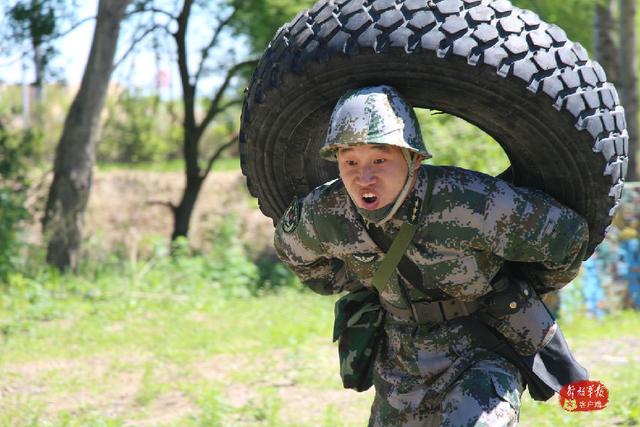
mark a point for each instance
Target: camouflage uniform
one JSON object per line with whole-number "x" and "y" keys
{"x": 430, "y": 373}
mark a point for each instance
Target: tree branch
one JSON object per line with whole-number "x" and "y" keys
{"x": 180, "y": 36}
{"x": 75, "y": 25}
{"x": 229, "y": 104}
{"x": 212, "y": 43}
{"x": 190, "y": 146}
{"x": 18, "y": 58}
{"x": 217, "y": 154}
{"x": 135, "y": 42}
{"x": 162, "y": 203}
{"x": 152, "y": 10}
{"x": 214, "y": 107}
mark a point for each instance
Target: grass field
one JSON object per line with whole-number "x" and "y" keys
{"x": 162, "y": 344}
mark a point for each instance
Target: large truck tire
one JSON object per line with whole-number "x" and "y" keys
{"x": 499, "y": 67}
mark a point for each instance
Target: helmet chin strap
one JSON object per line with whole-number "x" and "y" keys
{"x": 408, "y": 184}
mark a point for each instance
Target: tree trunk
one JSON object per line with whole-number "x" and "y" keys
{"x": 40, "y": 65}
{"x": 604, "y": 46}
{"x": 191, "y": 132}
{"x": 75, "y": 153}
{"x": 182, "y": 212}
{"x": 628, "y": 79}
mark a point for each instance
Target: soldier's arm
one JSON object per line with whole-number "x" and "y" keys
{"x": 529, "y": 226}
{"x": 299, "y": 247}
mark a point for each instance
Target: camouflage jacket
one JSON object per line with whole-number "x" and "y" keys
{"x": 472, "y": 224}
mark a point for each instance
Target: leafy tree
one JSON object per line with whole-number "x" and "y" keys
{"x": 38, "y": 23}
{"x": 259, "y": 19}
{"x": 453, "y": 141}
{"x": 574, "y": 16}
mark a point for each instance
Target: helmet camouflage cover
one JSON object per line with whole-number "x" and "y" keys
{"x": 373, "y": 115}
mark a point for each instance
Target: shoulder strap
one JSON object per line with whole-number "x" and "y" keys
{"x": 402, "y": 240}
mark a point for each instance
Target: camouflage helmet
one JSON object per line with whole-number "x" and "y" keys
{"x": 373, "y": 115}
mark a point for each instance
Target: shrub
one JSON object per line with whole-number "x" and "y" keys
{"x": 228, "y": 262}
{"x": 13, "y": 198}
{"x": 139, "y": 129}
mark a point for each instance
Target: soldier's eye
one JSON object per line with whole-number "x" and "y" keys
{"x": 350, "y": 162}
{"x": 379, "y": 161}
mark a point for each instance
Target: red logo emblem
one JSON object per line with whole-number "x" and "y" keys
{"x": 584, "y": 396}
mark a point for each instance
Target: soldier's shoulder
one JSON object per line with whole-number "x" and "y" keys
{"x": 452, "y": 179}
{"x": 330, "y": 195}
{"x": 328, "y": 210}
{"x": 305, "y": 215}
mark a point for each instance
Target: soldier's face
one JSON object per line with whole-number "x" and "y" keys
{"x": 372, "y": 174}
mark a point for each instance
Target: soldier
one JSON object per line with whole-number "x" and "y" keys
{"x": 427, "y": 369}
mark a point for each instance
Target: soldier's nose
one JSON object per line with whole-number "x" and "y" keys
{"x": 366, "y": 176}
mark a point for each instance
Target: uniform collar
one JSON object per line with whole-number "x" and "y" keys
{"x": 411, "y": 207}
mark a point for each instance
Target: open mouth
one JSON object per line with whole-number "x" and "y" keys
{"x": 369, "y": 199}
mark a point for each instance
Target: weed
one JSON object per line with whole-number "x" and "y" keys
{"x": 20, "y": 410}
{"x": 149, "y": 388}
{"x": 212, "y": 407}
{"x": 263, "y": 410}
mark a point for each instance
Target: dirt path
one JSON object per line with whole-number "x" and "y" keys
{"x": 617, "y": 351}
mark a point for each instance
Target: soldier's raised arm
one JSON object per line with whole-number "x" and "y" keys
{"x": 297, "y": 245}
{"x": 529, "y": 226}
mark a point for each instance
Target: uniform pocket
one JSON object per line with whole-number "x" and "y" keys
{"x": 522, "y": 318}
{"x": 507, "y": 388}
{"x": 363, "y": 265}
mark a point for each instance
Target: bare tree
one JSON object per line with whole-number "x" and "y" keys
{"x": 629, "y": 78}
{"x": 221, "y": 16}
{"x": 75, "y": 152}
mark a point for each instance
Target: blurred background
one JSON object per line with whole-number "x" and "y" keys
{"x": 138, "y": 281}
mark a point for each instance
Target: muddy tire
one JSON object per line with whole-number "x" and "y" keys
{"x": 499, "y": 67}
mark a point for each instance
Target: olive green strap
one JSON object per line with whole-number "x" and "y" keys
{"x": 392, "y": 258}
{"x": 401, "y": 242}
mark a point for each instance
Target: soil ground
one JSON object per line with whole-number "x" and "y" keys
{"x": 298, "y": 403}
{"x": 128, "y": 208}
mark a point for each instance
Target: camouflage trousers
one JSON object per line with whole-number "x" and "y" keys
{"x": 429, "y": 382}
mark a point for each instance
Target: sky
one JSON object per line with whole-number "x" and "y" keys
{"x": 141, "y": 70}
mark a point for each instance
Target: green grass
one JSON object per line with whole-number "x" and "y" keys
{"x": 623, "y": 407}
{"x": 168, "y": 343}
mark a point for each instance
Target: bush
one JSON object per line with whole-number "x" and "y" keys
{"x": 228, "y": 266}
{"x": 139, "y": 129}
{"x": 13, "y": 198}
{"x": 453, "y": 141}
{"x": 228, "y": 262}
{"x": 274, "y": 274}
